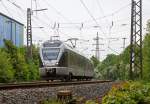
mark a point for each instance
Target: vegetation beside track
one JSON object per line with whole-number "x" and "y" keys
{"x": 122, "y": 93}
{"x": 116, "y": 67}
{"x": 15, "y": 67}
{"x": 129, "y": 93}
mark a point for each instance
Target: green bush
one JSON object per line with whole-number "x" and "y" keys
{"x": 129, "y": 93}
{"x": 15, "y": 67}
{"x": 21, "y": 69}
{"x": 6, "y": 68}
{"x": 33, "y": 71}
{"x": 32, "y": 64}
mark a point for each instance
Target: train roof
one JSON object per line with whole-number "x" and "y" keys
{"x": 57, "y": 43}
{"x": 76, "y": 51}
{"x": 52, "y": 44}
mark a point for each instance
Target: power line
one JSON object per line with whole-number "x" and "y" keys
{"x": 36, "y": 5}
{"x": 24, "y": 11}
{"x": 34, "y": 16}
{"x": 58, "y": 12}
{"x": 39, "y": 20}
{"x": 90, "y": 14}
{"x": 101, "y": 9}
{"x": 113, "y": 39}
{"x": 17, "y": 6}
{"x": 43, "y": 22}
{"x": 44, "y": 12}
{"x": 6, "y": 8}
{"x": 39, "y": 25}
{"x": 113, "y": 50}
{"x": 122, "y": 8}
{"x": 108, "y": 15}
{"x": 99, "y": 5}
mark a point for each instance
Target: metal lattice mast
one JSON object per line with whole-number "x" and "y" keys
{"x": 29, "y": 34}
{"x": 136, "y": 40}
{"x": 97, "y": 50}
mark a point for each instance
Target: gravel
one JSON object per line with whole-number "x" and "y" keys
{"x": 35, "y": 95}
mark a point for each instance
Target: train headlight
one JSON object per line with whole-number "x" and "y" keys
{"x": 57, "y": 63}
{"x": 44, "y": 63}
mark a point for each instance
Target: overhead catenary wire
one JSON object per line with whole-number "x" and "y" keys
{"x": 43, "y": 22}
{"x": 101, "y": 9}
{"x": 16, "y": 5}
{"x": 6, "y": 8}
{"x": 115, "y": 21}
{"x": 39, "y": 25}
{"x": 90, "y": 14}
{"x": 47, "y": 24}
{"x": 58, "y": 12}
{"x": 35, "y": 17}
{"x": 113, "y": 50}
{"x": 109, "y": 15}
{"x": 12, "y": 10}
{"x": 21, "y": 9}
{"x": 25, "y": 12}
{"x": 38, "y": 5}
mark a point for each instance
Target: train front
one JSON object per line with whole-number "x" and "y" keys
{"x": 50, "y": 52}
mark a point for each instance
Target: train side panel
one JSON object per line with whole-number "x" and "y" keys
{"x": 68, "y": 63}
{"x": 77, "y": 65}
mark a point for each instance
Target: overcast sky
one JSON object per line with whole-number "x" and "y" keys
{"x": 71, "y": 14}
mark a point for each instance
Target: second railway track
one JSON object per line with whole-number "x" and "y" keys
{"x": 46, "y": 84}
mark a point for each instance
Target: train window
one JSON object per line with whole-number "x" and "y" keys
{"x": 50, "y": 53}
{"x": 57, "y": 44}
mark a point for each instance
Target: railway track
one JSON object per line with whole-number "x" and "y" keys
{"x": 47, "y": 84}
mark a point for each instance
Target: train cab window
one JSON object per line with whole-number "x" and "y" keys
{"x": 50, "y": 53}
{"x": 56, "y": 44}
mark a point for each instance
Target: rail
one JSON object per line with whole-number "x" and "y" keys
{"x": 46, "y": 84}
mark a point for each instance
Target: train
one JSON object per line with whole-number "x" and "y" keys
{"x": 59, "y": 61}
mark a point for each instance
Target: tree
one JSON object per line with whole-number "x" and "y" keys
{"x": 146, "y": 54}
{"x": 17, "y": 60}
{"x": 33, "y": 70}
{"x": 117, "y": 66}
{"x": 6, "y": 68}
{"x": 146, "y": 57}
{"x": 95, "y": 61}
{"x": 15, "y": 67}
{"x": 148, "y": 26}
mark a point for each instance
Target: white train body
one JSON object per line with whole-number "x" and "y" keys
{"x": 60, "y": 61}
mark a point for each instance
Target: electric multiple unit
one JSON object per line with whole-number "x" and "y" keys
{"x": 60, "y": 61}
